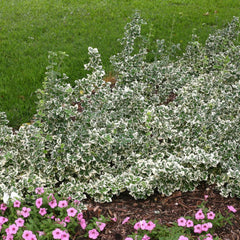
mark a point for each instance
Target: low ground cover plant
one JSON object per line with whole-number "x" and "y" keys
{"x": 165, "y": 125}
{"x": 47, "y": 216}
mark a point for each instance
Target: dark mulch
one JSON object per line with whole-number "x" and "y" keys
{"x": 164, "y": 209}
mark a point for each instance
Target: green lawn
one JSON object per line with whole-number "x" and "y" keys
{"x": 31, "y": 28}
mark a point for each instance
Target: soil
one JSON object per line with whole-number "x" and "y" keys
{"x": 165, "y": 210}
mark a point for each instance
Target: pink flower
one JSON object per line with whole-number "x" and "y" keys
{"x": 9, "y": 237}
{"x": 205, "y": 197}
{"x": 63, "y": 204}
{"x": 25, "y": 212}
{"x": 27, "y": 234}
{"x": 93, "y": 234}
{"x": 209, "y": 224}
{"x": 62, "y": 223}
{"x": 182, "y": 222}
{"x": 114, "y": 219}
{"x": 199, "y": 214}
{"x": 65, "y": 236}
{"x": 19, "y": 222}
{"x": 42, "y": 211}
{"x": 77, "y": 202}
{"x": 13, "y": 229}
{"x": 17, "y": 204}
{"x": 79, "y": 216}
{"x": 51, "y": 197}
{"x": 232, "y": 209}
{"x": 137, "y": 226}
{"x": 41, "y": 233}
{"x": 182, "y": 238}
{"x": 38, "y": 202}
{"x": 143, "y": 224}
{"x": 83, "y": 223}
{"x": 57, "y": 233}
{"x": 3, "y": 207}
{"x": 145, "y": 237}
{"x": 39, "y": 190}
{"x": 71, "y": 212}
{"x": 211, "y": 215}
{"x": 205, "y": 227}
{"x": 101, "y": 225}
{"x": 150, "y": 226}
{"x": 198, "y": 228}
{"x": 57, "y": 219}
{"x": 125, "y": 220}
{"x": 128, "y": 238}
{"x": 53, "y": 203}
{"x": 3, "y": 220}
{"x": 189, "y": 223}
{"x": 67, "y": 219}
{"x": 209, "y": 237}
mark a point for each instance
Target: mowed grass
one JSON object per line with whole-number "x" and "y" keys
{"x": 31, "y": 28}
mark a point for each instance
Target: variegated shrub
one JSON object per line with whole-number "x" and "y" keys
{"x": 166, "y": 125}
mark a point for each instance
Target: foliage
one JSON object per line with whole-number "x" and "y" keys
{"x": 202, "y": 226}
{"x": 166, "y": 125}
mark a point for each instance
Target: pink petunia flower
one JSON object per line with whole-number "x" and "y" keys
{"x": 210, "y": 215}
{"x": 19, "y": 222}
{"x": 143, "y": 224}
{"x": 38, "y": 202}
{"x": 51, "y": 197}
{"x": 67, "y": 219}
{"x": 42, "y": 211}
{"x": 79, "y": 216}
{"x": 39, "y": 190}
{"x": 3, "y": 220}
{"x": 150, "y": 226}
{"x": 125, "y": 220}
{"x": 25, "y": 212}
{"x": 13, "y": 229}
{"x": 209, "y": 236}
{"x": 198, "y": 228}
{"x": 65, "y": 236}
{"x": 27, "y": 234}
{"x": 93, "y": 234}
{"x": 77, "y": 202}
{"x": 9, "y": 237}
{"x": 57, "y": 233}
{"x": 205, "y": 227}
{"x": 137, "y": 226}
{"x": 101, "y": 225}
{"x": 41, "y": 233}
{"x": 71, "y": 212}
{"x": 53, "y": 203}
{"x": 199, "y": 214}
{"x": 232, "y": 209}
{"x": 205, "y": 197}
{"x": 114, "y": 219}
{"x": 128, "y": 238}
{"x": 182, "y": 222}
{"x": 189, "y": 223}
{"x": 145, "y": 237}
{"x": 16, "y": 204}
{"x": 182, "y": 238}
{"x": 63, "y": 204}
{"x": 210, "y": 225}
{"x": 3, "y": 207}
{"x": 82, "y": 223}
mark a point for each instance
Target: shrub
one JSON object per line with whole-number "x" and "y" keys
{"x": 166, "y": 125}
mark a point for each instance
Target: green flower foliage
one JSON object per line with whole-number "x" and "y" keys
{"x": 166, "y": 125}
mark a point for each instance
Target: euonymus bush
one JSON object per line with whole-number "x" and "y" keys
{"x": 165, "y": 125}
